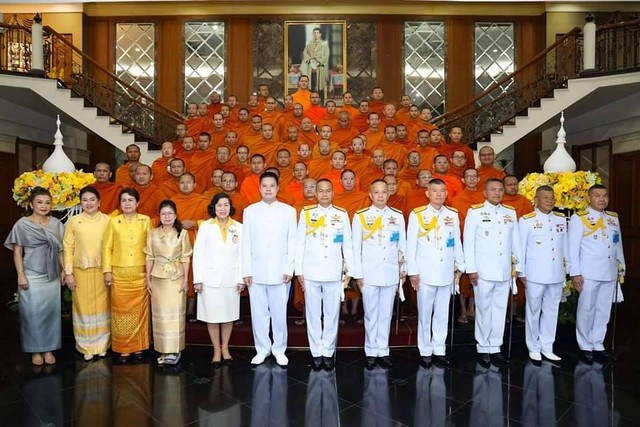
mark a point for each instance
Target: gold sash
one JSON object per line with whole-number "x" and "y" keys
{"x": 376, "y": 226}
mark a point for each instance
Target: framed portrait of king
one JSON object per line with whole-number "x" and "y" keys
{"x": 318, "y": 50}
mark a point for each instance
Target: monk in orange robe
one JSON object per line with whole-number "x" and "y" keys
{"x": 160, "y": 166}
{"x": 486, "y": 169}
{"x": 393, "y": 150}
{"x": 326, "y": 133}
{"x": 193, "y": 121}
{"x": 331, "y": 117}
{"x": 109, "y": 191}
{"x": 441, "y": 171}
{"x": 350, "y": 198}
{"x": 254, "y": 134}
{"x": 315, "y": 111}
{"x": 307, "y": 133}
{"x": 250, "y": 187}
{"x": 402, "y": 135}
{"x": 347, "y": 105}
{"x": 215, "y": 104}
{"x": 344, "y": 133}
{"x": 192, "y": 207}
{"x": 374, "y": 170}
{"x": 283, "y": 163}
{"x": 131, "y": 166}
{"x": 321, "y": 164}
{"x": 217, "y": 130}
{"x": 202, "y": 160}
{"x": 521, "y": 204}
{"x": 395, "y": 200}
{"x": 295, "y": 186}
{"x": 303, "y": 95}
{"x": 373, "y": 134}
{"x": 390, "y": 167}
{"x": 268, "y": 145}
{"x": 402, "y": 115}
{"x": 188, "y": 150}
{"x": 122, "y": 173}
{"x": 223, "y": 159}
{"x": 181, "y": 132}
{"x": 243, "y": 125}
{"x": 361, "y": 120}
{"x": 388, "y": 117}
{"x": 216, "y": 183}
{"x": 273, "y": 117}
{"x": 418, "y": 196}
{"x": 455, "y": 143}
{"x": 294, "y": 119}
{"x": 410, "y": 172}
{"x": 171, "y": 186}
{"x": 423, "y": 123}
{"x": 241, "y": 165}
{"x": 377, "y": 103}
{"x": 458, "y": 162}
{"x": 150, "y": 194}
{"x": 338, "y": 161}
{"x": 427, "y": 151}
{"x": 229, "y": 186}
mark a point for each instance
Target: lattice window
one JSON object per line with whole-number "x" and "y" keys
{"x": 135, "y": 55}
{"x": 424, "y": 64}
{"x": 361, "y": 58}
{"x": 204, "y": 66}
{"x": 494, "y": 53}
{"x": 268, "y": 58}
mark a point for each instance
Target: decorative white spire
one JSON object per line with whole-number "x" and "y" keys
{"x": 560, "y": 160}
{"x": 58, "y": 160}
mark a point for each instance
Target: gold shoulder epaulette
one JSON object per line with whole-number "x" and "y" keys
{"x": 396, "y": 210}
{"x": 420, "y": 209}
{"x": 452, "y": 209}
{"x": 582, "y": 213}
{"x": 478, "y": 206}
{"x": 309, "y": 207}
{"x": 529, "y": 215}
{"x": 611, "y": 213}
{"x": 363, "y": 210}
{"x": 340, "y": 209}
{"x": 560, "y": 214}
{"x": 509, "y": 207}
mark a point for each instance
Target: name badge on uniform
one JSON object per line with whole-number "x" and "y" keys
{"x": 395, "y": 236}
{"x": 559, "y": 228}
{"x": 338, "y": 238}
{"x": 616, "y": 237}
{"x": 450, "y": 242}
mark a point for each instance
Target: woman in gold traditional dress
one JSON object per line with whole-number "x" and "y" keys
{"x": 83, "y": 276}
{"x": 168, "y": 250}
{"x": 123, "y": 265}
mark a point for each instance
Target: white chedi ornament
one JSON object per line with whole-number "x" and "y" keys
{"x": 58, "y": 160}
{"x": 560, "y": 160}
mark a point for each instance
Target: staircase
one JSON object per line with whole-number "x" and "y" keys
{"x": 90, "y": 96}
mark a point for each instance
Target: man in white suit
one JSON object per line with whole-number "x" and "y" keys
{"x": 267, "y": 263}
{"x": 323, "y": 248}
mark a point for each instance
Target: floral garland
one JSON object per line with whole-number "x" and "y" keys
{"x": 64, "y": 187}
{"x": 570, "y": 188}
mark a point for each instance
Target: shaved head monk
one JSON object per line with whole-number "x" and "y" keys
{"x": 109, "y": 191}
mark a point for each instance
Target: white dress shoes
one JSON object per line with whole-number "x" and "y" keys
{"x": 535, "y": 356}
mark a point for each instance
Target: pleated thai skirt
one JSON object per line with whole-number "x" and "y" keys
{"x": 91, "y": 312}
{"x": 168, "y": 309}
{"x": 40, "y": 314}
{"x": 129, "y": 310}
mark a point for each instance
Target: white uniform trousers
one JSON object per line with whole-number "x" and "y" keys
{"x": 491, "y": 309}
{"x": 433, "y": 318}
{"x": 322, "y": 309}
{"x": 377, "y": 302}
{"x": 594, "y": 309}
{"x": 542, "y": 304}
{"x": 269, "y": 306}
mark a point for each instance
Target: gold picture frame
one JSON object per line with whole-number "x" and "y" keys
{"x": 317, "y": 49}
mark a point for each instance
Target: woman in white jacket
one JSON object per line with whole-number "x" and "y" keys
{"x": 216, "y": 275}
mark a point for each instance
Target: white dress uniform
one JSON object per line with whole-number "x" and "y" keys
{"x": 216, "y": 264}
{"x": 323, "y": 244}
{"x": 595, "y": 250}
{"x": 491, "y": 241}
{"x": 434, "y": 251}
{"x": 544, "y": 256}
{"x": 378, "y": 237}
{"x": 267, "y": 253}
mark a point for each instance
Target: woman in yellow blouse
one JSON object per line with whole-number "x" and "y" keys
{"x": 168, "y": 251}
{"x": 123, "y": 265}
{"x": 83, "y": 275}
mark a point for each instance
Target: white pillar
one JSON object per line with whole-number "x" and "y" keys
{"x": 37, "y": 55}
{"x": 589, "y": 44}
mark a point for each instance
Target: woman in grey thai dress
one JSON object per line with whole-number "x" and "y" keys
{"x": 36, "y": 242}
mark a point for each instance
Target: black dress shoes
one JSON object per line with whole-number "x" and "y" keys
{"x": 587, "y": 356}
{"x": 484, "y": 359}
{"x": 498, "y": 359}
{"x": 425, "y": 361}
{"x": 442, "y": 361}
{"x": 328, "y": 362}
{"x": 385, "y": 362}
{"x": 371, "y": 362}
{"x": 316, "y": 363}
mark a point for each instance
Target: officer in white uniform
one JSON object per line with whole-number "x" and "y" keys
{"x": 491, "y": 244}
{"x": 323, "y": 248}
{"x": 595, "y": 261}
{"x": 434, "y": 254}
{"x": 543, "y": 235}
{"x": 267, "y": 262}
{"x": 379, "y": 245}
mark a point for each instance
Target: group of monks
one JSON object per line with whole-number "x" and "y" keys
{"x": 223, "y": 147}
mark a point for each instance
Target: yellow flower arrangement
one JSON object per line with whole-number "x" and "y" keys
{"x": 570, "y": 188}
{"x": 64, "y": 187}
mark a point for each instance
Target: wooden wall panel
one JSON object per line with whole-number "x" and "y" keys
{"x": 625, "y": 199}
{"x": 459, "y": 34}
{"x": 390, "y": 60}
{"x": 526, "y": 155}
{"x": 169, "y": 63}
{"x": 239, "y": 57}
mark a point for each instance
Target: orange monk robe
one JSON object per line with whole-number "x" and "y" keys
{"x": 214, "y": 109}
{"x": 211, "y": 192}
{"x": 360, "y": 122}
{"x": 334, "y": 176}
{"x": 398, "y": 202}
{"x": 487, "y": 172}
{"x": 343, "y": 136}
{"x": 250, "y": 188}
{"x": 328, "y": 120}
{"x": 122, "y": 175}
{"x": 463, "y": 202}
{"x": 160, "y": 170}
{"x": 288, "y": 122}
{"x": 308, "y": 137}
{"x": 318, "y": 167}
{"x": 201, "y": 162}
{"x": 294, "y": 188}
{"x": 218, "y": 136}
{"x": 353, "y": 111}
{"x": 232, "y": 120}
{"x": 404, "y": 188}
{"x": 197, "y": 125}
{"x": 394, "y": 151}
{"x": 405, "y": 143}
{"x": 315, "y": 113}
{"x": 241, "y": 128}
{"x": 275, "y": 119}
{"x": 377, "y": 106}
{"x": 453, "y": 184}
{"x": 315, "y": 152}
{"x": 286, "y": 176}
{"x": 402, "y": 116}
{"x": 358, "y": 162}
{"x": 305, "y": 160}
{"x": 370, "y": 174}
{"x": 352, "y": 201}
{"x": 386, "y": 121}
{"x": 427, "y": 156}
{"x": 374, "y": 138}
{"x": 240, "y": 203}
{"x": 416, "y": 198}
{"x": 454, "y": 170}
{"x": 241, "y": 170}
{"x": 171, "y": 186}
{"x": 186, "y": 156}
{"x": 250, "y": 139}
{"x": 150, "y": 198}
{"x": 521, "y": 204}
{"x": 412, "y": 132}
{"x": 177, "y": 146}
{"x": 409, "y": 173}
{"x": 283, "y": 197}
{"x": 448, "y": 148}
{"x": 109, "y": 196}
{"x": 303, "y": 97}
{"x": 268, "y": 149}
{"x": 300, "y": 204}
